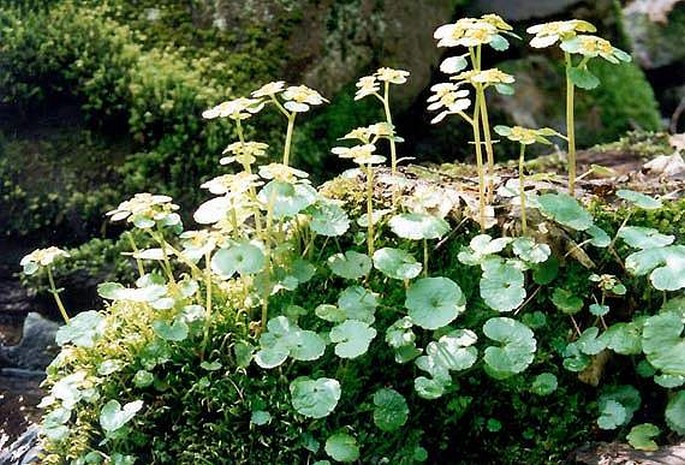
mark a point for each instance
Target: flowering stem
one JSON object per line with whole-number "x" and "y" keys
{"x": 288, "y": 138}
{"x": 248, "y": 170}
{"x": 522, "y": 193}
{"x": 55, "y": 294}
{"x": 134, "y": 247}
{"x": 488, "y": 140}
{"x": 425, "y": 258}
{"x": 167, "y": 264}
{"x": 479, "y": 164}
{"x": 369, "y": 210}
{"x": 388, "y": 119}
{"x": 570, "y": 126}
{"x": 208, "y": 307}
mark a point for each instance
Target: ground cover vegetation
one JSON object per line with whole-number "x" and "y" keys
{"x": 381, "y": 318}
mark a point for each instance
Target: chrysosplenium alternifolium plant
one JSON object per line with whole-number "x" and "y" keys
{"x": 284, "y": 284}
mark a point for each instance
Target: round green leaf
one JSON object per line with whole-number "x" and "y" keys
{"x": 598, "y": 309}
{"x": 566, "y": 301}
{"x": 612, "y": 416}
{"x": 666, "y": 264}
{"x": 501, "y": 285}
{"x": 82, "y": 330}
{"x": 544, "y": 384}
{"x": 640, "y": 437}
{"x": 177, "y": 331}
{"x": 452, "y": 352}
{"x": 639, "y": 199}
{"x": 663, "y": 344}
{"x": 529, "y": 251}
{"x": 351, "y": 265}
{"x": 244, "y": 258}
{"x": 434, "y": 302}
{"x": 599, "y": 236}
{"x": 418, "y": 226}
{"x": 352, "y": 338}
{"x": 331, "y": 313}
{"x": 675, "y": 413}
{"x": 565, "y": 210}
{"x": 342, "y": 447}
{"x": 284, "y": 338}
{"x": 391, "y": 410}
{"x": 518, "y": 348}
{"x": 429, "y": 389}
{"x": 644, "y": 238}
{"x": 314, "y": 398}
{"x": 113, "y": 416}
{"x": 589, "y": 343}
{"x": 287, "y": 200}
{"x": 396, "y": 263}
{"x": 143, "y": 378}
{"x": 328, "y": 219}
{"x": 260, "y": 417}
{"x": 583, "y": 78}
{"x": 358, "y": 304}
{"x": 480, "y": 247}
{"x": 624, "y": 338}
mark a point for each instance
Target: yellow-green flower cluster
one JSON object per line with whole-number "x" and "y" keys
{"x": 471, "y": 32}
{"x": 448, "y": 97}
{"x": 298, "y": 99}
{"x": 145, "y": 210}
{"x": 41, "y": 258}
{"x": 245, "y": 153}
{"x": 592, "y": 46}
{"x": 371, "y": 85}
{"x": 237, "y": 109}
{"x": 491, "y": 76}
{"x": 549, "y": 33}
{"x": 362, "y": 154}
{"x": 526, "y": 136}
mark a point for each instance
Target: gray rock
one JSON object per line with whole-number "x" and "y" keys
{"x": 656, "y": 43}
{"x": 37, "y": 347}
{"x": 25, "y": 450}
{"x": 521, "y": 10}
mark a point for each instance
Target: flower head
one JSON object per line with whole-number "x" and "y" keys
{"x": 299, "y": 98}
{"x": 450, "y": 98}
{"x": 526, "y": 136}
{"x": 491, "y": 76}
{"x": 237, "y": 109}
{"x": 245, "y": 153}
{"x": 362, "y": 154}
{"x": 393, "y": 76}
{"x": 496, "y": 21}
{"x": 382, "y": 130}
{"x": 281, "y": 172}
{"x": 549, "y": 33}
{"x": 144, "y": 210}
{"x": 593, "y": 46}
{"x": 470, "y": 32}
{"x": 267, "y": 90}
{"x": 237, "y": 183}
{"x": 367, "y": 85}
{"x": 41, "y": 258}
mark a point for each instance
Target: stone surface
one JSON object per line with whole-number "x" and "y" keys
{"x": 24, "y": 451}
{"x": 37, "y": 347}
{"x": 656, "y": 43}
{"x": 521, "y": 10}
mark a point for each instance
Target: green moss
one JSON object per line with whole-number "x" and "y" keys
{"x": 624, "y": 100}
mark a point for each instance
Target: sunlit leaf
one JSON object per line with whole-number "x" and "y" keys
{"x": 396, "y": 263}
{"x": 418, "y": 226}
{"x": 663, "y": 343}
{"x": 665, "y": 265}
{"x": 517, "y": 350}
{"x": 314, "y": 398}
{"x": 352, "y": 338}
{"x": 434, "y": 302}
{"x": 358, "y": 304}
{"x": 350, "y": 265}
{"x": 342, "y": 447}
{"x": 675, "y": 413}
{"x": 113, "y": 416}
{"x": 82, "y": 330}
{"x": 640, "y": 437}
{"x": 502, "y": 285}
{"x": 328, "y": 219}
{"x": 565, "y": 210}
{"x": 644, "y": 238}
{"x": 639, "y": 199}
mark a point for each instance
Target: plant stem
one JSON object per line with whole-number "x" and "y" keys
{"x": 252, "y": 191}
{"x": 134, "y": 247}
{"x": 488, "y": 140}
{"x": 522, "y": 191}
{"x": 425, "y": 258}
{"x": 479, "y": 165}
{"x": 208, "y": 306}
{"x": 55, "y": 294}
{"x": 388, "y": 119}
{"x": 369, "y": 210}
{"x": 570, "y": 126}
{"x": 167, "y": 263}
{"x": 288, "y": 138}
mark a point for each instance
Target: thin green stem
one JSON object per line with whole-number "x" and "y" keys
{"x": 479, "y": 165}
{"x": 248, "y": 169}
{"x": 369, "y": 210}
{"x": 289, "y": 138}
{"x": 425, "y": 258}
{"x": 388, "y": 119}
{"x": 522, "y": 191}
{"x": 134, "y": 247}
{"x": 208, "y": 305}
{"x": 488, "y": 140}
{"x": 570, "y": 126}
{"x": 159, "y": 237}
{"x": 55, "y": 294}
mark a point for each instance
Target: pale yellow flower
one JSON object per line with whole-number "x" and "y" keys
{"x": 450, "y": 98}
{"x": 144, "y": 206}
{"x": 299, "y": 98}
{"x": 549, "y": 33}
{"x": 593, "y": 46}
{"x": 526, "y": 136}
{"x": 468, "y": 32}
{"x": 367, "y": 85}
{"x": 487, "y": 77}
{"x": 42, "y": 257}
{"x": 281, "y": 172}
{"x": 237, "y": 109}
{"x": 237, "y": 183}
{"x": 267, "y": 90}
{"x": 393, "y": 76}
{"x": 496, "y": 21}
{"x": 381, "y": 130}
{"x": 244, "y": 153}
{"x": 362, "y": 154}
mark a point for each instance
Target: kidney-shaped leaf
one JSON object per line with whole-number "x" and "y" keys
{"x": 358, "y": 304}
{"x": 639, "y": 199}
{"x": 501, "y": 285}
{"x": 640, "y": 437}
{"x": 666, "y": 264}
{"x": 675, "y": 413}
{"x": 82, "y": 330}
{"x": 434, "y": 302}
{"x": 350, "y": 265}
{"x": 314, "y": 398}
{"x": 452, "y": 352}
{"x": 565, "y": 210}
{"x": 287, "y": 200}
{"x": 418, "y": 226}
{"x": 390, "y": 409}
{"x": 342, "y": 447}
{"x": 530, "y": 251}
{"x": 517, "y": 351}
{"x": 663, "y": 343}
{"x": 328, "y": 219}
{"x": 244, "y": 258}
{"x": 352, "y": 338}
{"x": 644, "y": 238}
{"x": 113, "y": 416}
{"x": 396, "y": 263}
{"x": 284, "y": 338}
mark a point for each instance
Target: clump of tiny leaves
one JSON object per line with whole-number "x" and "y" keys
{"x": 293, "y": 327}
